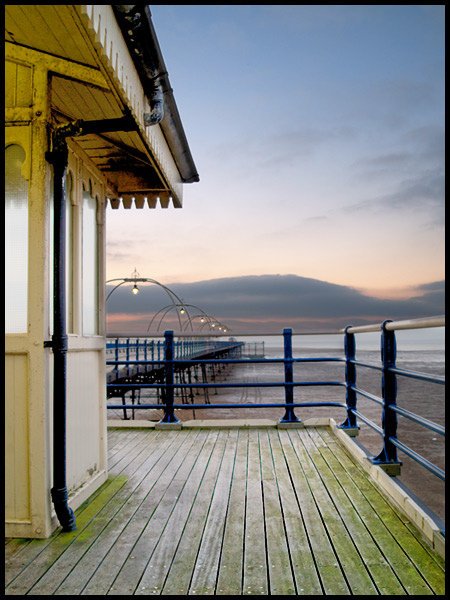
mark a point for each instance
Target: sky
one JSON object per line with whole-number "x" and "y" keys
{"x": 318, "y": 135}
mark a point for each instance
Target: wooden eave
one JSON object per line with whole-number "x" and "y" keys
{"x": 93, "y": 78}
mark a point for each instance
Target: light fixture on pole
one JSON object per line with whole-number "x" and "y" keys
{"x": 136, "y": 275}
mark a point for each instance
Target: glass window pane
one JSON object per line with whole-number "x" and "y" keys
{"x": 69, "y": 256}
{"x": 90, "y": 265}
{"x": 16, "y": 241}
{"x": 69, "y": 252}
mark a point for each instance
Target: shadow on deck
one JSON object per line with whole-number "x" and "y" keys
{"x": 228, "y": 512}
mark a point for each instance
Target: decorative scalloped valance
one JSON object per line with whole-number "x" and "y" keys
{"x": 142, "y": 200}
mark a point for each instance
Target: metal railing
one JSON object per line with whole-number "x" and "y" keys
{"x": 153, "y": 352}
{"x": 185, "y": 352}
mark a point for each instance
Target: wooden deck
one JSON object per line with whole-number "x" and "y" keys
{"x": 230, "y": 512}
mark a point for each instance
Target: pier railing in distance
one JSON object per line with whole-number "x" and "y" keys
{"x": 202, "y": 348}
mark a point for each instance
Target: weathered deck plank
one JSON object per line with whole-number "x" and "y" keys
{"x": 279, "y": 561}
{"x": 230, "y": 512}
{"x": 387, "y": 526}
{"x": 232, "y": 557}
{"x": 255, "y": 560}
{"x": 302, "y": 559}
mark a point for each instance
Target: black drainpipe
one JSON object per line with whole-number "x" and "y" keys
{"x": 58, "y": 157}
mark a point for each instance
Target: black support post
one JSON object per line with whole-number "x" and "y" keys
{"x": 289, "y": 415}
{"x": 350, "y": 424}
{"x": 169, "y": 415}
{"x": 388, "y": 456}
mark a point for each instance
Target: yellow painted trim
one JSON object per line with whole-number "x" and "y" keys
{"x": 18, "y": 114}
{"x": 61, "y": 66}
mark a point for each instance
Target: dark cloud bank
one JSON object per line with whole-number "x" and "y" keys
{"x": 271, "y": 302}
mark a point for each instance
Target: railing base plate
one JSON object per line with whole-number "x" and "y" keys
{"x": 393, "y": 469}
{"x": 163, "y": 425}
{"x": 350, "y": 431}
{"x": 290, "y": 424}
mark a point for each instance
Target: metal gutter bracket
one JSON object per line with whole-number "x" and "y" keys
{"x": 156, "y": 102}
{"x": 138, "y": 35}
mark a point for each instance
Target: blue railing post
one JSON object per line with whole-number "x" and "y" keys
{"x": 116, "y": 353}
{"x": 388, "y": 456}
{"x": 169, "y": 415}
{"x": 289, "y": 416}
{"x": 350, "y": 381}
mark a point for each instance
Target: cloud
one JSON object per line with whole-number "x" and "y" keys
{"x": 432, "y": 296}
{"x": 271, "y": 302}
{"x": 280, "y": 150}
{"x": 410, "y": 177}
{"x": 313, "y": 16}
{"x": 421, "y": 192}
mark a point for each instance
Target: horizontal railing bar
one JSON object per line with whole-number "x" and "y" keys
{"x": 419, "y": 458}
{"x": 200, "y": 345}
{"x": 161, "y": 362}
{"x": 436, "y": 321}
{"x": 403, "y": 372}
{"x": 367, "y": 395}
{"x": 223, "y": 385}
{"x": 199, "y": 361}
{"x": 195, "y": 406}
{"x": 423, "y": 323}
{"x": 418, "y": 419}
{"x": 214, "y": 334}
{"x": 367, "y": 421}
{"x": 363, "y": 364}
{"x": 365, "y": 328}
{"x": 418, "y": 375}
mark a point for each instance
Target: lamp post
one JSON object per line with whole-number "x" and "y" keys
{"x": 135, "y": 279}
{"x": 213, "y": 323}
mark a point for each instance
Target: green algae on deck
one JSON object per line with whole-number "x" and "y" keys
{"x": 50, "y": 551}
{"x": 258, "y": 511}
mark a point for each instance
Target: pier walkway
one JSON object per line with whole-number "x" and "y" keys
{"x": 250, "y": 508}
{"x": 134, "y": 363}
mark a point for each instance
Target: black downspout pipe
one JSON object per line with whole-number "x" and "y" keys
{"x": 59, "y": 158}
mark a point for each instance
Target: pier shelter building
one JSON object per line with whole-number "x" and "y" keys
{"x": 91, "y": 121}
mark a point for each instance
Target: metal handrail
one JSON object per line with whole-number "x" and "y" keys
{"x": 173, "y": 358}
{"x": 425, "y": 322}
